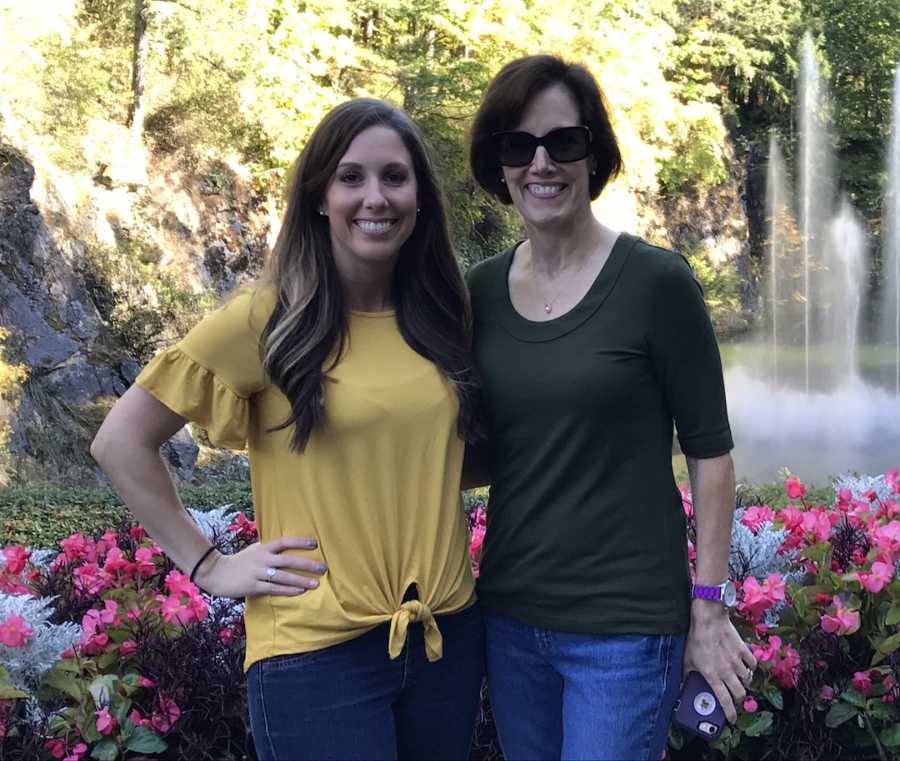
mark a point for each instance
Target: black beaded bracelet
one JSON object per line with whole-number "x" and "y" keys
{"x": 202, "y": 558}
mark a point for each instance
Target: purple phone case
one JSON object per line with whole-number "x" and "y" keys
{"x": 697, "y": 710}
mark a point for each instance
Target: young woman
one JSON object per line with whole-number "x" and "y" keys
{"x": 346, "y": 375}
{"x": 590, "y": 343}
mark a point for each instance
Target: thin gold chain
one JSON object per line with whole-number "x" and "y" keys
{"x": 548, "y": 305}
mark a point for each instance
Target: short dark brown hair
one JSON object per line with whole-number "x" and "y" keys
{"x": 506, "y": 99}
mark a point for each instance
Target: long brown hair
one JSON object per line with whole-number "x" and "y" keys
{"x": 309, "y": 323}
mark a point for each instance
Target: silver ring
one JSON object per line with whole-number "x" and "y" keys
{"x": 271, "y": 571}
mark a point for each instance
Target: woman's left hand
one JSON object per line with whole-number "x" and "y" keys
{"x": 716, "y": 650}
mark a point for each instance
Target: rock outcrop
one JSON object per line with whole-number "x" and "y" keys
{"x": 76, "y": 368}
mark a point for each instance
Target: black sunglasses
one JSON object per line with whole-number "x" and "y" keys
{"x": 564, "y": 145}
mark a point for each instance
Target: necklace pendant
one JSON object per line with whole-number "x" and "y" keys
{"x": 548, "y": 308}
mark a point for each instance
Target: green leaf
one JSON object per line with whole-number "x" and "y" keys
{"x": 890, "y": 736}
{"x": 63, "y": 681}
{"x": 101, "y": 688}
{"x": 145, "y": 740}
{"x": 773, "y": 695}
{"x": 839, "y": 713}
{"x": 107, "y": 659}
{"x": 854, "y": 698}
{"x": 8, "y": 692}
{"x": 761, "y": 725}
{"x": 893, "y": 615}
{"x": 881, "y": 711}
{"x": 105, "y": 750}
{"x": 889, "y": 644}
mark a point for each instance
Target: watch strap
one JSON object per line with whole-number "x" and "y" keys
{"x": 700, "y": 592}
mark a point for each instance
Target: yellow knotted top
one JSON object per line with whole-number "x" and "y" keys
{"x": 378, "y": 486}
{"x": 414, "y": 611}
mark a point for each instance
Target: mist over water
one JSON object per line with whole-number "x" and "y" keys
{"x": 805, "y": 393}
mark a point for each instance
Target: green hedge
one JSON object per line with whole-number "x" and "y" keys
{"x": 39, "y": 516}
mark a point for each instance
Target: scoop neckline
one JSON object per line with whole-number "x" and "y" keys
{"x": 546, "y": 330}
{"x": 376, "y": 315}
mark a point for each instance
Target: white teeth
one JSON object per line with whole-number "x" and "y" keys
{"x": 374, "y": 227}
{"x": 545, "y": 190}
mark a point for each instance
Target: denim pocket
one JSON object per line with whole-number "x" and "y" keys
{"x": 277, "y": 663}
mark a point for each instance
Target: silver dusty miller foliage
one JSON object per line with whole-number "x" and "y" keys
{"x": 26, "y": 665}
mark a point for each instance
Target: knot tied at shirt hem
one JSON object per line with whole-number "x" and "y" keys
{"x": 415, "y": 611}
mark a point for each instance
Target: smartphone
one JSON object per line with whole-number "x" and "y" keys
{"x": 697, "y": 709}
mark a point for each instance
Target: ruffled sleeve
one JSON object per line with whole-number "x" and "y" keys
{"x": 210, "y": 376}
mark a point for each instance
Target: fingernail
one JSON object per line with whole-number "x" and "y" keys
{"x": 321, "y": 568}
{"x": 312, "y": 543}
{"x": 313, "y": 583}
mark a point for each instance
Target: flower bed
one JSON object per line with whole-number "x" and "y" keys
{"x": 107, "y": 651}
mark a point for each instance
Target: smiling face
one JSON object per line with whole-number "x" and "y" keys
{"x": 371, "y": 201}
{"x": 545, "y": 192}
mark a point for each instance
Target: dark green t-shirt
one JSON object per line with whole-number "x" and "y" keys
{"x": 586, "y": 531}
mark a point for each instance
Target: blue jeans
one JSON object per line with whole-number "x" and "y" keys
{"x": 580, "y": 696}
{"x": 351, "y": 701}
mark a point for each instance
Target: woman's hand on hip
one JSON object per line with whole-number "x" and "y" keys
{"x": 263, "y": 568}
{"x": 716, "y": 650}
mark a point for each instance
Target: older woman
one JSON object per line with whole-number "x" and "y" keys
{"x": 590, "y": 344}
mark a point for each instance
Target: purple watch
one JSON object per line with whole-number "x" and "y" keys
{"x": 724, "y": 593}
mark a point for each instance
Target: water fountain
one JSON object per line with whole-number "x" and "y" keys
{"x": 889, "y": 333}
{"x": 808, "y": 395}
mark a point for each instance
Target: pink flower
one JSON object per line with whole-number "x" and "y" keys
{"x": 476, "y": 541}
{"x": 758, "y": 598}
{"x": 893, "y": 479}
{"x": 843, "y": 621}
{"x": 796, "y": 489}
{"x": 687, "y": 503}
{"x": 168, "y": 713}
{"x": 750, "y": 705}
{"x": 15, "y": 557}
{"x": 116, "y": 562}
{"x": 243, "y": 526}
{"x": 144, "y": 565}
{"x": 816, "y": 525}
{"x": 76, "y": 547}
{"x": 756, "y": 515}
{"x": 145, "y": 681}
{"x": 137, "y": 719}
{"x": 77, "y": 752}
{"x": 106, "y": 722}
{"x": 826, "y": 693}
{"x": 862, "y": 682}
{"x": 14, "y": 631}
{"x": 878, "y": 578}
{"x": 787, "y": 668}
{"x": 90, "y": 579}
{"x": 887, "y": 539}
{"x": 177, "y": 583}
{"x": 96, "y": 644}
{"x": 128, "y": 647}
{"x": 173, "y": 609}
{"x": 137, "y": 532}
{"x": 769, "y": 651}
{"x": 56, "y": 746}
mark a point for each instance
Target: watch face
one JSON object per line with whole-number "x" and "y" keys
{"x": 729, "y": 594}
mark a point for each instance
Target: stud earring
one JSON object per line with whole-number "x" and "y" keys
{"x": 323, "y": 212}
{"x": 418, "y": 209}
{"x": 503, "y": 181}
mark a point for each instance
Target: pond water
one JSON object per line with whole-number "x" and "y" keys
{"x": 829, "y": 431}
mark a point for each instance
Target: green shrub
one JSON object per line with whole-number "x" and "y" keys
{"x": 39, "y": 516}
